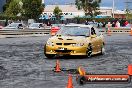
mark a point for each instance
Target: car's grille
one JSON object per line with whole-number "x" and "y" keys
{"x": 69, "y": 39}
{"x": 66, "y": 44}
{"x": 58, "y": 43}
{"x": 63, "y": 51}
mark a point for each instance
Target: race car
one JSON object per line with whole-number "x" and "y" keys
{"x": 81, "y": 39}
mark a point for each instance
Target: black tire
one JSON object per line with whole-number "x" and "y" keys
{"x": 81, "y": 80}
{"x": 102, "y": 49}
{"x": 48, "y": 55}
{"x": 89, "y": 51}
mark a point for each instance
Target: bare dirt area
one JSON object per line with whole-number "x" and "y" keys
{"x": 23, "y": 64}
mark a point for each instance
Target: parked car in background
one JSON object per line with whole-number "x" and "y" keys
{"x": 82, "y": 40}
{"x": 36, "y": 26}
{"x": 15, "y": 26}
{"x": 95, "y": 24}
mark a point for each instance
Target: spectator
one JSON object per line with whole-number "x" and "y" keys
{"x": 117, "y": 24}
{"x": 104, "y": 24}
{"x": 126, "y": 23}
{"x": 93, "y": 31}
{"x": 86, "y": 22}
{"x": 113, "y": 24}
{"x": 48, "y": 24}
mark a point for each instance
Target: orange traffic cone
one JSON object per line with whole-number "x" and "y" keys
{"x": 57, "y": 67}
{"x": 131, "y": 32}
{"x": 69, "y": 84}
{"x": 130, "y": 69}
{"x": 108, "y": 32}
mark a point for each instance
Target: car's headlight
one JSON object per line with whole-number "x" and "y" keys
{"x": 50, "y": 43}
{"x": 78, "y": 44}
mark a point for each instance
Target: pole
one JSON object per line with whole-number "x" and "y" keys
{"x": 113, "y": 8}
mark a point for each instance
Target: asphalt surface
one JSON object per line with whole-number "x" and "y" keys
{"x": 23, "y": 64}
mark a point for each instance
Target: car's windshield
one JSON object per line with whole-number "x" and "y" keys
{"x": 74, "y": 31}
{"x": 13, "y": 25}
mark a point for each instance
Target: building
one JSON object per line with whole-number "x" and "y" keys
{"x": 68, "y": 11}
{"x": 71, "y": 11}
{"x": 105, "y": 12}
{"x": 2, "y": 2}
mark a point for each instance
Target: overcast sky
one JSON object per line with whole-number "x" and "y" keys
{"x": 119, "y": 4}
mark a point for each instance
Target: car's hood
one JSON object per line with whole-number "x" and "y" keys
{"x": 9, "y": 27}
{"x": 33, "y": 27}
{"x": 69, "y": 39}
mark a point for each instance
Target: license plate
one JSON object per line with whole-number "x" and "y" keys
{"x": 61, "y": 48}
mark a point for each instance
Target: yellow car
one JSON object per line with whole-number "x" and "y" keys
{"x": 78, "y": 39}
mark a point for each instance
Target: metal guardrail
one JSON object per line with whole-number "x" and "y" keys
{"x": 24, "y": 31}
{"x": 117, "y": 30}
{"x": 47, "y": 31}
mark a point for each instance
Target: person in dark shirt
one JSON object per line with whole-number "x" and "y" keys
{"x": 113, "y": 24}
{"x": 92, "y": 31}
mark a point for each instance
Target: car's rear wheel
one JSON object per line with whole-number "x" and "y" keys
{"x": 102, "y": 49}
{"x": 48, "y": 55}
{"x": 89, "y": 51}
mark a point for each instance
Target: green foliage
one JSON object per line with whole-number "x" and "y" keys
{"x": 90, "y": 7}
{"x": 13, "y": 9}
{"x": 32, "y": 8}
{"x": 6, "y": 5}
{"x": 128, "y": 15}
{"x": 82, "y": 20}
{"x": 3, "y": 17}
{"x": 57, "y": 12}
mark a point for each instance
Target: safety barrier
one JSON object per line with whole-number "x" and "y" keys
{"x": 39, "y": 32}
{"x": 24, "y": 31}
{"x": 116, "y": 30}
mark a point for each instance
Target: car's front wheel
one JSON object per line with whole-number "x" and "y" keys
{"x": 48, "y": 55}
{"x": 89, "y": 51}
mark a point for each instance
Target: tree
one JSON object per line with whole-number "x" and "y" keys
{"x": 14, "y": 8}
{"x": 90, "y": 7}
{"x": 57, "y": 12}
{"x": 6, "y": 5}
{"x": 128, "y": 15}
{"x": 32, "y": 8}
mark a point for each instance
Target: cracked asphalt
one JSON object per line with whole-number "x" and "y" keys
{"x": 23, "y": 64}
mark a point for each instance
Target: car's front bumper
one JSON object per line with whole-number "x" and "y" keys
{"x": 64, "y": 50}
